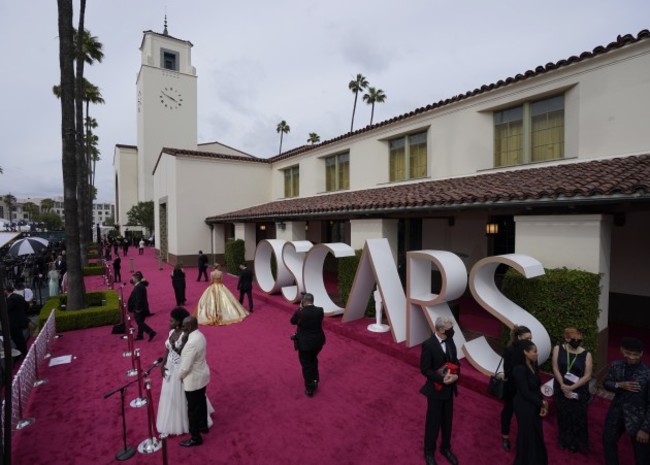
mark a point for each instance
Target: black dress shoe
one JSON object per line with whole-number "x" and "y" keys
{"x": 429, "y": 460}
{"x": 449, "y": 456}
{"x": 152, "y": 335}
{"x": 505, "y": 443}
{"x": 138, "y": 338}
{"x": 191, "y": 442}
{"x": 309, "y": 392}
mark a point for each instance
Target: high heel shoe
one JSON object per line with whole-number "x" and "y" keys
{"x": 505, "y": 443}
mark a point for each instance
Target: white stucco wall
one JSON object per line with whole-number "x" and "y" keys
{"x": 606, "y": 102}
{"x": 125, "y": 169}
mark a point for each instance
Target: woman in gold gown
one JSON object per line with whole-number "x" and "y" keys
{"x": 217, "y": 305}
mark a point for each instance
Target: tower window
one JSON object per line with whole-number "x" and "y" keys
{"x": 169, "y": 59}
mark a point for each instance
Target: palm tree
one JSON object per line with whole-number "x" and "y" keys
{"x": 9, "y": 200}
{"x": 374, "y": 96}
{"x": 31, "y": 208}
{"x": 356, "y": 85}
{"x": 313, "y": 138}
{"x": 283, "y": 128}
{"x": 69, "y": 151}
{"x": 47, "y": 205}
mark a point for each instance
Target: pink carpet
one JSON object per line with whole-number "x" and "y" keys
{"x": 367, "y": 410}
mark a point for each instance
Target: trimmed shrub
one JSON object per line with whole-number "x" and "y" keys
{"x": 235, "y": 253}
{"x": 94, "y": 269}
{"x": 95, "y": 314}
{"x": 347, "y": 268}
{"x": 559, "y": 299}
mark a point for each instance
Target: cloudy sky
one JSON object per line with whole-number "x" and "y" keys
{"x": 259, "y": 62}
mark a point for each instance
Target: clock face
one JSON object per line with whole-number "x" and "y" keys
{"x": 171, "y": 98}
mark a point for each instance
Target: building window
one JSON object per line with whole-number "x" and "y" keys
{"x": 337, "y": 172}
{"x": 530, "y": 132}
{"x": 169, "y": 59}
{"x": 292, "y": 182}
{"x": 408, "y": 157}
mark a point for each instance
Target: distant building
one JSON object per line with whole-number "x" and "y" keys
{"x": 20, "y": 212}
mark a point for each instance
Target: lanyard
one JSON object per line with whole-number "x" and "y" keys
{"x": 569, "y": 362}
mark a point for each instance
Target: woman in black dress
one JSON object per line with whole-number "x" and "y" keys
{"x": 517, "y": 334}
{"x": 529, "y": 407}
{"x": 572, "y": 366}
{"x": 178, "y": 283}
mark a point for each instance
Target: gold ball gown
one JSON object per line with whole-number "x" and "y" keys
{"x": 217, "y": 305}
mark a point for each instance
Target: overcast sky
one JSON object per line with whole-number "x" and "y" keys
{"x": 260, "y": 61}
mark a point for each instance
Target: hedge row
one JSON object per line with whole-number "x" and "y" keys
{"x": 95, "y": 314}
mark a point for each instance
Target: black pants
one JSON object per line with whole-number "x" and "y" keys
{"x": 142, "y": 326}
{"x": 249, "y": 293}
{"x": 506, "y": 415}
{"x": 309, "y": 363}
{"x": 18, "y": 337}
{"x": 203, "y": 272}
{"x": 612, "y": 431}
{"x": 439, "y": 416}
{"x": 118, "y": 275}
{"x": 197, "y": 411}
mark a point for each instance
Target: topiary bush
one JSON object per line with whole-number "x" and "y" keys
{"x": 95, "y": 314}
{"x": 94, "y": 269}
{"x": 559, "y": 299}
{"x": 347, "y": 268}
{"x": 235, "y": 254}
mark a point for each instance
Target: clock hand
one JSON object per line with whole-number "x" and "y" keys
{"x": 169, "y": 97}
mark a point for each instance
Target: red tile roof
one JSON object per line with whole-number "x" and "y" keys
{"x": 619, "y": 179}
{"x": 213, "y": 155}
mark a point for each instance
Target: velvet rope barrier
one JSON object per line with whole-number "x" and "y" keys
{"x": 27, "y": 376}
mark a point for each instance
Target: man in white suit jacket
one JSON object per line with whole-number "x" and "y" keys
{"x": 195, "y": 376}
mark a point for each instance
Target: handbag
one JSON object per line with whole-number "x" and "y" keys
{"x": 496, "y": 385}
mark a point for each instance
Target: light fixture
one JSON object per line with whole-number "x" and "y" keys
{"x": 492, "y": 229}
{"x": 306, "y": 226}
{"x": 262, "y": 227}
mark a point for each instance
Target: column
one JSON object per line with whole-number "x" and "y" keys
{"x": 246, "y": 232}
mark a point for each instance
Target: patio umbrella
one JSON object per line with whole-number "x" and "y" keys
{"x": 27, "y": 246}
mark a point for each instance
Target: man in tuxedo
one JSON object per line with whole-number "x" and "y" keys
{"x": 138, "y": 304}
{"x": 310, "y": 340}
{"x": 195, "y": 376}
{"x": 439, "y": 364}
{"x": 203, "y": 266}
{"x": 629, "y": 411}
{"x": 245, "y": 285}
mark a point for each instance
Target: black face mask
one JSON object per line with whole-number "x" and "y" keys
{"x": 575, "y": 343}
{"x": 450, "y": 333}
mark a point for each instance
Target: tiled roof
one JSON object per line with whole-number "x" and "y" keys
{"x": 198, "y": 154}
{"x": 621, "y": 41}
{"x": 626, "y": 178}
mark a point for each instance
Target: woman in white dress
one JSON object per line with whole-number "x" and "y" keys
{"x": 53, "y": 280}
{"x": 172, "y": 408}
{"x": 217, "y": 305}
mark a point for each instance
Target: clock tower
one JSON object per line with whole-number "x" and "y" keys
{"x": 166, "y": 103}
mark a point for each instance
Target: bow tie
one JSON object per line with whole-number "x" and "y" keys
{"x": 443, "y": 341}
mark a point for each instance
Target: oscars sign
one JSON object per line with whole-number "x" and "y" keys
{"x": 299, "y": 268}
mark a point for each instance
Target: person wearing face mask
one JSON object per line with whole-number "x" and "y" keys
{"x": 572, "y": 365}
{"x": 439, "y": 364}
{"x": 517, "y": 334}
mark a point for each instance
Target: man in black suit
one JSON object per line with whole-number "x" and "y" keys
{"x": 117, "y": 269}
{"x": 203, "y": 266}
{"x": 138, "y": 304}
{"x": 245, "y": 285}
{"x": 630, "y": 409}
{"x": 310, "y": 340}
{"x": 439, "y": 364}
{"x": 18, "y": 320}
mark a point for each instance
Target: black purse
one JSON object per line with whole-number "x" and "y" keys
{"x": 497, "y": 386}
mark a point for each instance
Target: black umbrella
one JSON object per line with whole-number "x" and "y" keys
{"x": 27, "y": 246}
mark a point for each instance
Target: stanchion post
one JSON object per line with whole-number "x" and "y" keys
{"x": 133, "y": 371}
{"x": 140, "y": 401}
{"x": 151, "y": 444}
{"x": 129, "y": 343}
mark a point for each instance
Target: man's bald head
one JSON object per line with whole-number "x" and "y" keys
{"x": 190, "y": 324}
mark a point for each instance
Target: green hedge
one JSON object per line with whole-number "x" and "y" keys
{"x": 559, "y": 299}
{"x": 94, "y": 269}
{"x": 346, "y": 269}
{"x": 94, "y": 315}
{"x": 235, "y": 253}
